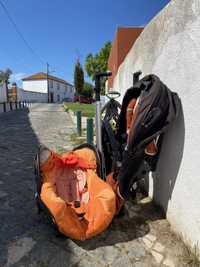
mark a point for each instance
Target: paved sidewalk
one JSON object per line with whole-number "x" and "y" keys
{"x": 141, "y": 238}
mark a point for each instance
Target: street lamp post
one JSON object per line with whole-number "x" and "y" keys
{"x": 48, "y": 82}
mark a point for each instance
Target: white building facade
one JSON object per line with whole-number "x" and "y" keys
{"x": 52, "y": 88}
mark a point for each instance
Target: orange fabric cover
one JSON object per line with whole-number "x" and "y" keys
{"x": 115, "y": 186}
{"x": 95, "y": 211}
{"x": 129, "y": 114}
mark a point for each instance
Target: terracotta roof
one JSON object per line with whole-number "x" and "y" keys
{"x": 124, "y": 39}
{"x": 43, "y": 76}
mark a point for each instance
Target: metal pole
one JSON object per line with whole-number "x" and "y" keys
{"x": 48, "y": 82}
{"x": 98, "y": 126}
{"x": 78, "y": 115}
{"x": 98, "y": 77}
{"x": 98, "y": 114}
{"x": 7, "y": 96}
{"x": 90, "y": 131}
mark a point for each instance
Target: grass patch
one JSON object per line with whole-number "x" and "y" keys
{"x": 77, "y": 140}
{"x": 60, "y": 150}
{"x": 88, "y": 110}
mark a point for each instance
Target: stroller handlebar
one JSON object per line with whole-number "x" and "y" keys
{"x": 103, "y": 74}
{"x": 98, "y": 77}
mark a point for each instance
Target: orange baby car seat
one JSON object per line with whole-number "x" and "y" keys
{"x": 80, "y": 203}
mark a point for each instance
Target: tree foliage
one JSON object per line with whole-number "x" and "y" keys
{"x": 88, "y": 90}
{"x": 5, "y": 75}
{"x": 98, "y": 62}
{"x": 78, "y": 78}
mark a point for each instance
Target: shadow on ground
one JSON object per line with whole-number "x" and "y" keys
{"x": 18, "y": 144}
{"x": 133, "y": 224}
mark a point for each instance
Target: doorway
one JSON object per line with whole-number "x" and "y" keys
{"x": 51, "y": 97}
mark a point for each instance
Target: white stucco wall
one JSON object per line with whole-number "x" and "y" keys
{"x": 32, "y": 97}
{"x": 170, "y": 48}
{"x": 3, "y": 93}
{"x": 35, "y": 86}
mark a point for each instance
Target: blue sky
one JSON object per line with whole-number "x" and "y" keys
{"x": 61, "y": 30}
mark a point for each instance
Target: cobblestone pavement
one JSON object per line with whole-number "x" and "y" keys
{"x": 140, "y": 238}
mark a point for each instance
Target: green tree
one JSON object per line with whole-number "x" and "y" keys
{"x": 5, "y": 75}
{"x": 98, "y": 62}
{"x": 88, "y": 90}
{"x": 78, "y": 78}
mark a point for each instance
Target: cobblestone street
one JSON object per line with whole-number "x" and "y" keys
{"x": 140, "y": 238}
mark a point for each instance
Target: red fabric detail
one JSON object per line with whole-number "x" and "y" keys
{"x": 72, "y": 160}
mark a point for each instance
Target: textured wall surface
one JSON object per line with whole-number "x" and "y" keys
{"x": 169, "y": 47}
{"x": 30, "y": 96}
{"x": 3, "y": 93}
{"x": 124, "y": 39}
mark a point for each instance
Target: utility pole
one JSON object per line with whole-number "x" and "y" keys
{"x": 48, "y": 82}
{"x": 7, "y": 96}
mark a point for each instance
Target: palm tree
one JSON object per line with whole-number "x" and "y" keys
{"x": 5, "y": 75}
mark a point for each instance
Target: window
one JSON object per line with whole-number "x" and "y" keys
{"x": 58, "y": 98}
{"x": 58, "y": 86}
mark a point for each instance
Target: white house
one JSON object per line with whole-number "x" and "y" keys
{"x": 55, "y": 89}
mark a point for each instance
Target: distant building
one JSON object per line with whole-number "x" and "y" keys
{"x": 16, "y": 93}
{"x": 124, "y": 39}
{"x": 12, "y": 93}
{"x": 53, "y": 88}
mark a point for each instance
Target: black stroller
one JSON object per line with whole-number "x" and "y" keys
{"x": 115, "y": 152}
{"x": 156, "y": 108}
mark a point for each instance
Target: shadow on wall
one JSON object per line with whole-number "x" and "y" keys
{"x": 164, "y": 178}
